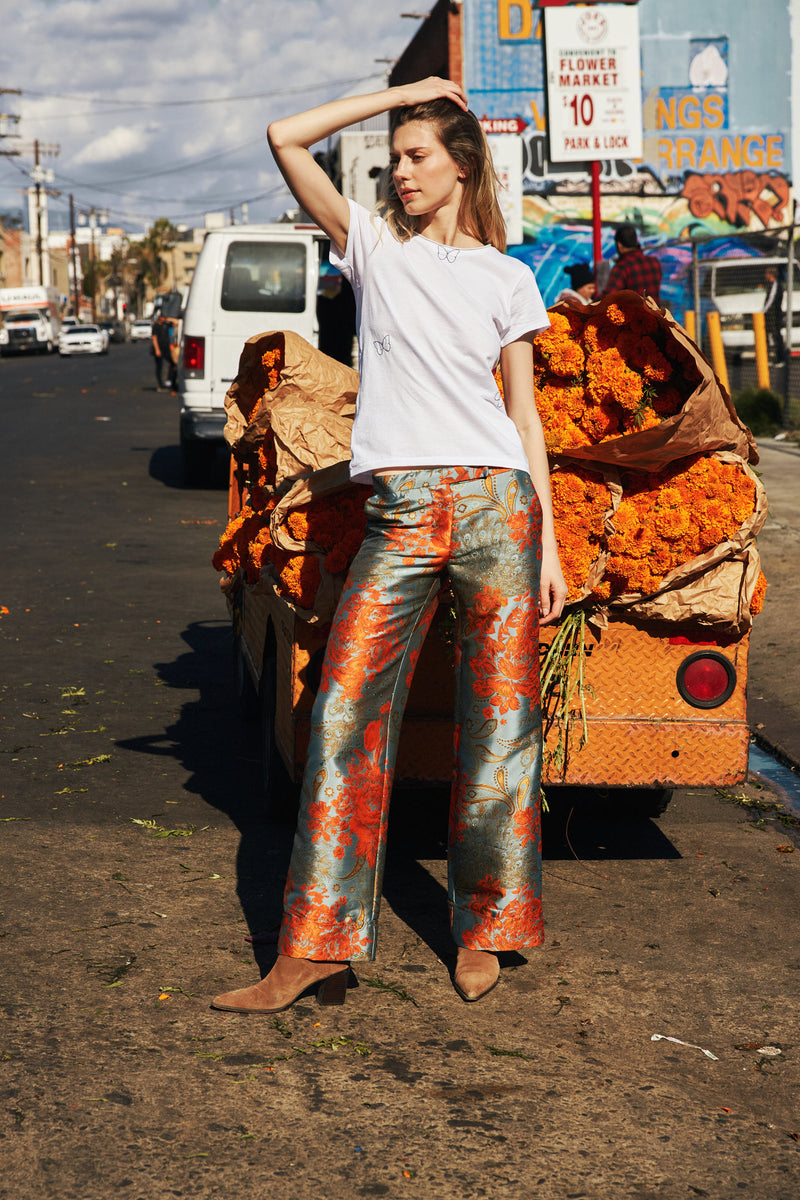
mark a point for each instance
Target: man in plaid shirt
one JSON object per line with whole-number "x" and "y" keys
{"x": 634, "y": 269}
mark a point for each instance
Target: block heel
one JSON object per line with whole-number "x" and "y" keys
{"x": 333, "y": 990}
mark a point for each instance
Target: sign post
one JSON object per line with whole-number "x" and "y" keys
{"x": 593, "y": 89}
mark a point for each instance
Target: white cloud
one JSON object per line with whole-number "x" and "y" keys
{"x": 107, "y": 83}
{"x": 118, "y": 143}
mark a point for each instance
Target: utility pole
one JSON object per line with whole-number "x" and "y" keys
{"x": 37, "y": 213}
{"x": 75, "y": 257}
{"x": 92, "y": 215}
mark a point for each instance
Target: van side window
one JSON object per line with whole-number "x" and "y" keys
{"x": 264, "y": 277}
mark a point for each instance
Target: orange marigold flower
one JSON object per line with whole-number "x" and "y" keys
{"x": 299, "y": 579}
{"x": 667, "y": 519}
{"x": 580, "y": 500}
{"x": 558, "y": 350}
{"x": 272, "y": 365}
{"x": 610, "y": 379}
{"x": 759, "y": 595}
{"x": 667, "y": 402}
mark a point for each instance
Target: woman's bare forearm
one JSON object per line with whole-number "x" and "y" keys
{"x": 316, "y": 124}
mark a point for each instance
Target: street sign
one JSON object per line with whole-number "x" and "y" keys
{"x": 593, "y": 82}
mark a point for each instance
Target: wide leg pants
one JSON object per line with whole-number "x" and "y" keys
{"x": 482, "y": 528}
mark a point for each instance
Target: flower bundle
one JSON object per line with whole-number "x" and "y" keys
{"x": 324, "y": 533}
{"x": 610, "y": 370}
{"x": 581, "y": 500}
{"x": 666, "y": 519}
{"x": 334, "y": 523}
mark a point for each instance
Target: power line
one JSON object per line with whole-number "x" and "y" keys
{"x": 136, "y": 106}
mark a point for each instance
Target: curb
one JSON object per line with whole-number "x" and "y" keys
{"x": 782, "y": 447}
{"x": 778, "y": 753}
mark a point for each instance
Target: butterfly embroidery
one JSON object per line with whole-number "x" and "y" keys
{"x": 447, "y": 254}
{"x": 383, "y": 346}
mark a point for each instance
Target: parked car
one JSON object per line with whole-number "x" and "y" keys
{"x": 83, "y": 339}
{"x": 141, "y": 331}
{"x": 115, "y": 330}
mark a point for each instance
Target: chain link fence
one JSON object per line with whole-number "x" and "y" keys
{"x": 737, "y": 276}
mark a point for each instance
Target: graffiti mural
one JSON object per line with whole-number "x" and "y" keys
{"x": 716, "y": 149}
{"x": 741, "y": 198}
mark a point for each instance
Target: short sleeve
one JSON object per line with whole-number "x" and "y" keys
{"x": 527, "y": 313}
{"x": 361, "y": 237}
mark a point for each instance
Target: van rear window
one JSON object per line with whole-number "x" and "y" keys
{"x": 265, "y": 277}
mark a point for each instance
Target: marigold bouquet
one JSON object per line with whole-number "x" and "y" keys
{"x": 666, "y": 520}
{"x": 619, "y": 378}
{"x": 611, "y": 371}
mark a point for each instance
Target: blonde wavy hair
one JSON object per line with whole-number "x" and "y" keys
{"x": 460, "y": 133}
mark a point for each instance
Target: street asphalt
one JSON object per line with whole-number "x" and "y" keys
{"x": 649, "y": 1051}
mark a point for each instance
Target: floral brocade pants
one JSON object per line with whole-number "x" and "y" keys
{"x": 482, "y": 528}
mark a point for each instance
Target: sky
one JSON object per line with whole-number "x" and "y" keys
{"x": 159, "y": 108}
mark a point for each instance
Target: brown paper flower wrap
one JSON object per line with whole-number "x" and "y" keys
{"x": 715, "y": 588}
{"x": 291, "y": 403}
{"x": 620, "y": 382}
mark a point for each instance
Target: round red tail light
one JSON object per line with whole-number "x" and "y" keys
{"x": 706, "y": 679}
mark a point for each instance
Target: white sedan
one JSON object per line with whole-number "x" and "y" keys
{"x": 141, "y": 331}
{"x": 83, "y": 339}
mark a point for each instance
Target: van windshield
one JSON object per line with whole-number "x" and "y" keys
{"x": 13, "y": 318}
{"x": 265, "y": 277}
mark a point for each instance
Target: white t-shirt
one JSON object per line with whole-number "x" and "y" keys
{"x": 431, "y": 321}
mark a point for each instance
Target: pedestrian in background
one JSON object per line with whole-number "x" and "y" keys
{"x": 773, "y": 311}
{"x": 634, "y": 270}
{"x": 461, "y": 492}
{"x": 162, "y": 343}
{"x": 582, "y": 285}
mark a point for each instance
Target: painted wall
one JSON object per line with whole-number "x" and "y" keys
{"x": 717, "y": 113}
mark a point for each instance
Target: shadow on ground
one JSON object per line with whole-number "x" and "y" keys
{"x": 166, "y": 466}
{"x": 220, "y": 755}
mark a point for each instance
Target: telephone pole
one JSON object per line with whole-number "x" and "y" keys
{"x": 75, "y": 260}
{"x": 42, "y": 175}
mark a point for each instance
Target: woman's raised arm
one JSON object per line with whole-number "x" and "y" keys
{"x": 290, "y": 140}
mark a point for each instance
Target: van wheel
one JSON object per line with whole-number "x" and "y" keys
{"x": 280, "y": 791}
{"x": 197, "y": 459}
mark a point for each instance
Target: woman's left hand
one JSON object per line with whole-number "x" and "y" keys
{"x": 553, "y": 588}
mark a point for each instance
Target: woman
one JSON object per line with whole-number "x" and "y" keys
{"x": 582, "y": 285}
{"x": 456, "y": 475}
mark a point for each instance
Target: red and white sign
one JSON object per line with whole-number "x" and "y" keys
{"x": 503, "y": 124}
{"x": 593, "y": 82}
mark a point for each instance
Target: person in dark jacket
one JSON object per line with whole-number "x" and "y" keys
{"x": 162, "y": 339}
{"x": 634, "y": 270}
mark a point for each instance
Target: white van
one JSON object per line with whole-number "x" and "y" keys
{"x": 249, "y": 279}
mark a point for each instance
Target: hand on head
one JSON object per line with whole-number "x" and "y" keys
{"x": 433, "y": 89}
